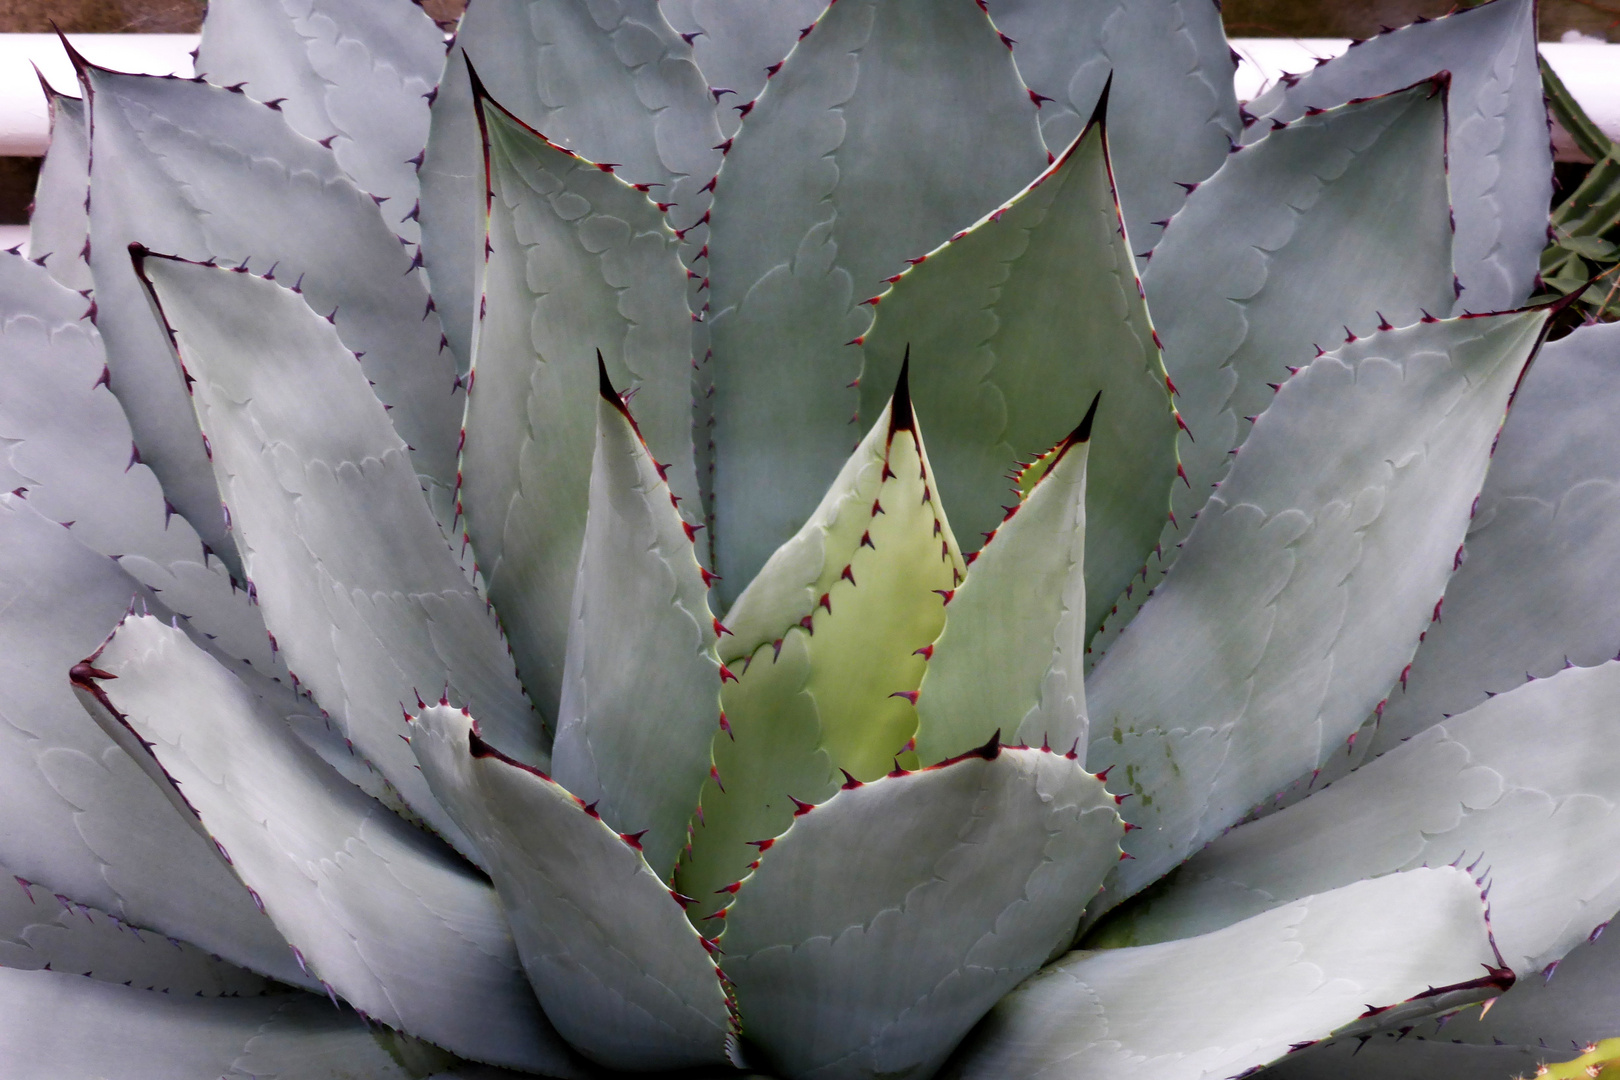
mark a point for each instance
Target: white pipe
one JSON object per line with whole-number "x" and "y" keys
{"x": 1590, "y": 70}
{"x": 25, "y": 124}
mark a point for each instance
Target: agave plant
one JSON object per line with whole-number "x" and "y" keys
{"x": 447, "y": 631}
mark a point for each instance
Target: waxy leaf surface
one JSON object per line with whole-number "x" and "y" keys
{"x": 891, "y": 126}
{"x": 615, "y": 84}
{"x": 640, "y": 698}
{"x": 381, "y": 913}
{"x": 1216, "y": 1006}
{"x": 1499, "y": 157}
{"x": 1303, "y": 589}
{"x": 352, "y": 574}
{"x": 207, "y": 174}
{"x": 59, "y": 226}
{"x": 620, "y": 971}
{"x": 1014, "y": 327}
{"x": 580, "y": 263}
{"x": 882, "y": 925}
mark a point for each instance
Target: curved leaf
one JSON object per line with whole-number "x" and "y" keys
{"x": 355, "y": 75}
{"x": 880, "y": 927}
{"x": 1241, "y": 290}
{"x": 640, "y": 694}
{"x": 1547, "y": 526}
{"x": 1230, "y": 1001}
{"x": 142, "y": 1035}
{"x": 81, "y": 819}
{"x": 1524, "y": 789}
{"x": 1392, "y": 1056}
{"x": 612, "y": 84}
{"x": 354, "y": 578}
{"x": 207, "y": 174}
{"x": 891, "y": 126}
{"x": 39, "y": 929}
{"x": 1016, "y": 325}
{"x": 580, "y": 264}
{"x": 377, "y": 911}
{"x": 1305, "y": 585}
{"x": 59, "y": 224}
{"x": 619, "y": 970}
{"x": 736, "y": 42}
{"x": 1498, "y": 153}
{"x": 1172, "y": 112}
{"x": 1012, "y": 652}
{"x": 68, "y": 447}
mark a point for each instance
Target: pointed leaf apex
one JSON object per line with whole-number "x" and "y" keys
{"x": 1083, "y": 432}
{"x": 1099, "y": 114}
{"x": 900, "y": 414}
{"x": 479, "y": 91}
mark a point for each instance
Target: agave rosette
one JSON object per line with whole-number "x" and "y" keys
{"x": 558, "y": 692}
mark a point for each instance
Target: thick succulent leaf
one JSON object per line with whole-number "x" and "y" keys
{"x": 737, "y": 42}
{"x": 1305, "y": 584}
{"x": 1012, "y": 654}
{"x": 1547, "y": 527}
{"x": 1015, "y": 326}
{"x": 580, "y": 264}
{"x": 65, "y": 1027}
{"x": 1241, "y": 292}
{"x": 353, "y": 576}
{"x": 1215, "y": 1006}
{"x": 1525, "y": 789}
{"x": 620, "y": 971}
{"x": 59, "y": 224}
{"x": 81, "y": 819}
{"x": 1498, "y": 153}
{"x": 890, "y": 127}
{"x": 207, "y": 174}
{"x": 641, "y": 694}
{"x": 353, "y": 74}
{"x": 39, "y": 929}
{"x": 1394, "y": 1056}
{"x": 830, "y": 643}
{"x": 1172, "y": 111}
{"x": 613, "y": 84}
{"x": 884, "y": 923}
{"x": 67, "y": 446}
{"x": 379, "y": 912}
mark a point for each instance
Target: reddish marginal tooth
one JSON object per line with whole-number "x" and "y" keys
{"x": 1405, "y": 672}
{"x": 928, "y": 496}
{"x": 866, "y": 540}
{"x": 720, "y": 629}
{"x": 691, "y": 530}
{"x": 1125, "y": 855}
{"x": 710, "y": 185}
{"x": 1103, "y": 776}
{"x": 850, "y": 783}
{"x": 1183, "y": 474}
{"x": 1131, "y": 828}
{"x": 808, "y": 623}
{"x": 744, "y": 109}
{"x": 725, "y": 726}
{"x": 909, "y": 695}
{"x": 826, "y": 602}
{"x": 1074, "y": 751}
{"x": 887, "y": 474}
{"x": 715, "y": 915}
{"x": 710, "y": 946}
{"x": 971, "y": 557}
{"x": 776, "y": 649}
{"x": 1038, "y": 99}
{"x": 873, "y": 301}
{"x": 714, "y": 774}
{"x": 1119, "y": 799}
{"x": 877, "y": 507}
{"x": 725, "y": 674}
{"x": 926, "y": 652}
{"x": 946, "y": 594}
{"x": 856, "y": 341}
{"x": 773, "y": 69}
{"x": 891, "y": 280}
{"x": 763, "y": 845}
{"x": 848, "y": 575}
{"x": 1168, "y": 384}
{"x": 1011, "y": 510}
{"x": 708, "y": 578}
{"x": 590, "y": 808}
{"x": 800, "y": 808}
{"x": 944, "y": 548}
{"x": 633, "y": 838}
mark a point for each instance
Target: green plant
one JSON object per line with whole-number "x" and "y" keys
{"x": 760, "y": 768}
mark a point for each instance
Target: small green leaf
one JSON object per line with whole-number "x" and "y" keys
{"x": 640, "y": 695}
{"x": 619, "y": 970}
{"x": 1012, "y": 653}
{"x": 1228, "y": 1002}
{"x": 884, "y": 923}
